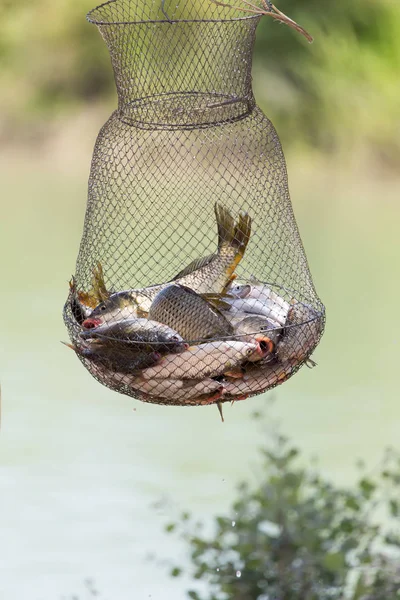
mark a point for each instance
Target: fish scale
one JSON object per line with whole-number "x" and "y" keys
{"x": 191, "y": 315}
{"x": 205, "y": 360}
{"x": 210, "y": 274}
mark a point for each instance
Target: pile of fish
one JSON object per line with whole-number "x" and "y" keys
{"x": 201, "y": 338}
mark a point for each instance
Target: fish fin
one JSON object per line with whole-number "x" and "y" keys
{"x": 78, "y": 305}
{"x": 242, "y": 232}
{"x": 99, "y": 287}
{"x": 254, "y": 281}
{"x": 189, "y": 383}
{"x": 310, "y": 363}
{"x": 217, "y": 301}
{"x": 74, "y": 348}
{"x": 196, "y": 264}
{"x": 235, "y": 373}
{"x": 87, "y": 299}
{"x": 229, "y": 282}
{"x": 230, "y": 235}
{"x": 97, "y": 294}
{"x": 225, "y": 225}
{"x": 219, "y": 405}
{"x": 239, "y": 243}
{"x": 242, "y": 397}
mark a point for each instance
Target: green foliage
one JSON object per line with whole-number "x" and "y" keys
{"x": 298, "y": 537}
{"x": 51, "y": 57}
{"x": 341, "y": 90}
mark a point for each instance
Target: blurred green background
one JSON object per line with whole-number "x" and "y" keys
{"x": 334, "y": 95}
{"x": 79, "y": 471}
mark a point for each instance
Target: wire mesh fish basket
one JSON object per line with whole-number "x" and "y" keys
{"x": 192, "y": 285}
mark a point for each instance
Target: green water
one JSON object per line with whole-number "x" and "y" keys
{"x": 81, "y": 467}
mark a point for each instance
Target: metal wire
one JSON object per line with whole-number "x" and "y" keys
{"x": 164, "y": 11}
{"x": 188, "y": 168}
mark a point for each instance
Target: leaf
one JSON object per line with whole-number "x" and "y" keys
{"x": 170, "y": 527}
{"x": 367, "y": 488}
{"x": 394, "y": 508}
{"x": 334, "y": 561}
{"x": 353, "y": 504}
{"x": 347, "y": 525}
{"x": 176, "y": 571}
{"x": 360, "y": 589}
{"x": 392, "y": 540}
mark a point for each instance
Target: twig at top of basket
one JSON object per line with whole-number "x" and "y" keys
{"x": 269, "y": 9}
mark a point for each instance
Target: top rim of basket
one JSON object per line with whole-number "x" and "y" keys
{"x": 99, "y": 21}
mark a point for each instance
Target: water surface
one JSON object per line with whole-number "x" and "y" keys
{"x": 81, "y": 467}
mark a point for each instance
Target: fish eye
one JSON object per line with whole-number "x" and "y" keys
{"x": 103, "y": 307}
{"x": 249, "y": 352}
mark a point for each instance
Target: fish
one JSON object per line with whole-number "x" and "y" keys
{"x": 205, "y": 360}
{"x": 83, "y": 303}
{"x": 136, "y": 335}
{"x": 179, "y": 392}
{"x": 176, "y": 389}
{"x": 257, "y": 299}
{"x": 257, "y": 380}
{"x": 120, "y": 306}
{"x": 302, "y": 332}
{"x": 114, "y": 359}
{"x": 128, "y": 346}
{"x": 213, "y": 273}
{"x": 188, "y": 313}
{"x": 210, "y": 274}
{"x": 258, "y": 328}
{"x": 79, "y": 310}
{"x": 98, "y": 293}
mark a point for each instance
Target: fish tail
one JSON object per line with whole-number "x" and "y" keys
{"x": 242, "y": 233}
{"x": 98, "y": 293}
{"x": 226, "y": 226}
{"x": 235, "y": 235}
{"x": 239, "y": 243}
{"x": 99, "y": 287}
{"x": 232, "y": 235}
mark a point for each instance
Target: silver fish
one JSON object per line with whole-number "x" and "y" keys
{"x": 123, "y": 305}
{"x": 257, "y": 380}
{"x": 128, "y": 346}
{"x": 188, "y": 313}
{"x": 205, "y": 360}
{"x": 257, "y": 299}
{"x": 136, "y": 335}
{"x": 116, "y": 359}
{"x": 210, "y": 274}
{"x": 257, "y": 328}
{"x": 176, "y": 389}
{"x": 213, "y": 273}
{"x": 301, "y": 335}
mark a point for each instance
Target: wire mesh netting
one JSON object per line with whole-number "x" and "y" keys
{"x": 192, "y": 286}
